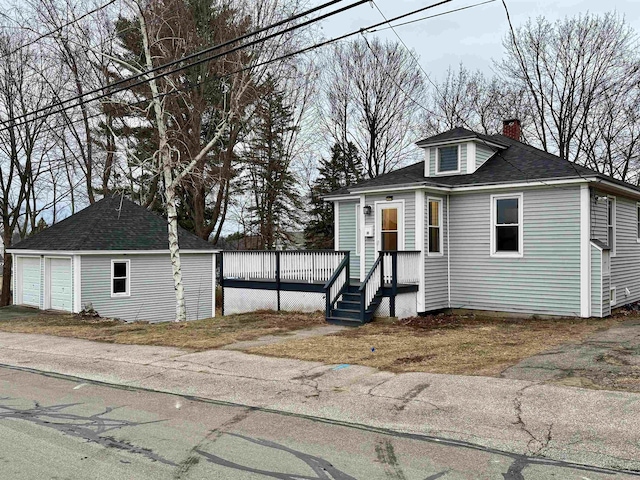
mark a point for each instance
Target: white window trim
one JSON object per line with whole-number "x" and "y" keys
{"x": 128, "y": 292}
{"x": 358, "y": 213}
{"x": 437, "y": 166}
{"x": 441, "y": 227}
{"x": 638, "y": 222}
{"x": 492, "y": 244}
{"x": 613, "y": 299}
{"x": 612, "y": 244}
{"x": 378, "y": 228}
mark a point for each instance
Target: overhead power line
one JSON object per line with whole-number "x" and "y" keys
{"x": 109, "y": 89}
{"x": 267, "y": 62}
{"x": 57, "y": 29}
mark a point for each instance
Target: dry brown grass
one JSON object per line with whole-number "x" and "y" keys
{"x": 454, "y": 344}
{"x": 195, "y": 335}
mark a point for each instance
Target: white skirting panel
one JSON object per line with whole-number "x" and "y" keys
{"x": 406, "y": 306}
{"x": 243, "y": 300}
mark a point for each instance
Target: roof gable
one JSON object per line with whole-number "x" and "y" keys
{"x": 113, "y": 223}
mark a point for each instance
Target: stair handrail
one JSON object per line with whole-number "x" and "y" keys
{"x": 330, "y": 298}
{"x": 365, "y": 303}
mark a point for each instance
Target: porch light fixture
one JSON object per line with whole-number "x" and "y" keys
{"x": 366, "y": 209}
{"x": 389, "y": 198}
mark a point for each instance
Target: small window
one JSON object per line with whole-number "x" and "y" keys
{"x": 611, "y": 225}
{"x": 448, "y": 160}
{"x": 434, "y": 226}
{"x": 612, "y": 296}
{"x": 120, "y": 278}
{"x": 507, "y": 225}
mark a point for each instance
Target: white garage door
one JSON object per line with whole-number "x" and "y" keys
{"x": 60, "y": 282}
{"x": 31, "y": 281}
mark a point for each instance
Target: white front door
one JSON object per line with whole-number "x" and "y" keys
{"x": 60, "y": 284}
{"x": 30, "y": 281}
{"x": 389, "y": 226}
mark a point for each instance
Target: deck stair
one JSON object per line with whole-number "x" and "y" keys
{"x": 348, "y": 310}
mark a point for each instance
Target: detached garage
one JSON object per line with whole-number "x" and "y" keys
{"x": 114, "y": 257}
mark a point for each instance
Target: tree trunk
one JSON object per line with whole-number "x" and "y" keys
{"x": 5, "y": 297}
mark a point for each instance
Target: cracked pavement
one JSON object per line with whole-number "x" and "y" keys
{"x": 531, "y": 418}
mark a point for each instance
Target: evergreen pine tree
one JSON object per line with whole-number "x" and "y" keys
{"x": 341, "y": 170}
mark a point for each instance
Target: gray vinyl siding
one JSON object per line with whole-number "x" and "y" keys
{"x": 409, "y": 222}
{"x": 347, "y": 219}
{"x": 436, "y": 289}
{"x": 606, "y": 298}
{"x": 152, "y": 292}
{"x": 482, "y": 155}
{"x": 433, "y": 159}
{"x": 598, "y": 217}
{"x": 625, "y": 265}
{"x": 596, "y": 282}
{"x": 546, "y": 280}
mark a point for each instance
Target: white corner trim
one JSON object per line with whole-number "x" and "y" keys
{"x": 448, "y": 254}
{"x": 358, "y": 249}
{"x": 614, "y": 213}
{"x": 492, "y": 231}
{"x": 363, "y": 240}
{"x": 427, "y": 163}
{"x": 471, "y": 157}
{"x": 420, "y": 245}
{"x": 77, "y": 283}
{"x": 336, "y": 226}
{"x": 213, "y": 285}
{"x": 585, "y": 253}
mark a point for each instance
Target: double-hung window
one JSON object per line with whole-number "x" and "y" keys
{"x": 611, "y": 224}
{"x": 506, "y": 225}
{"x": 120, "y": 278}
{"x": 434, "y": 226}
{"x": 448, "y": 160}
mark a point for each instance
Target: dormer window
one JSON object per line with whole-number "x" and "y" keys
{"x": 448, "y": 160}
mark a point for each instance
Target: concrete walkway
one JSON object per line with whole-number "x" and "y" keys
{"x": 591, "y": 427}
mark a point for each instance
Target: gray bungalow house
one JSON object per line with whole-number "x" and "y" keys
{"x": 490, "y": 223}
{"x": 114, "y": 256}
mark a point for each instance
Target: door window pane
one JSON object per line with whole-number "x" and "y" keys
{"x": 389, "y": 219}
{"x": 389, "y": 240}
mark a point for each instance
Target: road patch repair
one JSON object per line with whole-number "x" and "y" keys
{"x": 587, "y": 427}
{"x": 607, "y": 360}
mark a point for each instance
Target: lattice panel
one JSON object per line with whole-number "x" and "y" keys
{"x": 242, "y": 300}
{"x": 407, "y": 305}
{"x": 302, "y": 301}
{"x": 383, "y": 308}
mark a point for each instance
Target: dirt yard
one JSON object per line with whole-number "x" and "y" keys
{"x": 455, "y": 344}
{"x": 195, "y": 335}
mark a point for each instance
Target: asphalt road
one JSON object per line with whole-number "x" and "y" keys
{"x": 55, "y": 427}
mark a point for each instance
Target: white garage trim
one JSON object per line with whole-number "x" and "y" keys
{"x": 77, "y": 283}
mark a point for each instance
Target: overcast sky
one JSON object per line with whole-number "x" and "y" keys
{"x": 474, "y": 36}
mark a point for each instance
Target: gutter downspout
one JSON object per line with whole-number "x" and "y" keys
{"x": 448, "y": 256}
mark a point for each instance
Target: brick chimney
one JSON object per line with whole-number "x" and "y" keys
{"x": 512, "y": 128}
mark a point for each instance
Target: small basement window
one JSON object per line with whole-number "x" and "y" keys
{"x": 120, "y": 278}
{"x": 448, "y": 160}
{"x": 612, "y": 296}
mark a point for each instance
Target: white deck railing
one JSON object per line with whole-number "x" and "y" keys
{"x": 408, "y": 265}
{"x": 297, "y": 266}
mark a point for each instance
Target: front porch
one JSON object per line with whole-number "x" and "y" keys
{"x": 308, "y": 280}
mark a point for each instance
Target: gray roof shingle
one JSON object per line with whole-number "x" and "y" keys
{"x": 516, "y": 162}
{"x": 106, "y": 226}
